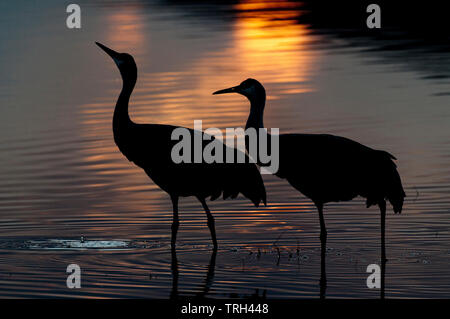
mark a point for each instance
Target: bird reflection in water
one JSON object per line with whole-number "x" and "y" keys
{"x": 207, "y": 282}
{"x": 206, "y": 286}
{"x": 209, "y": 279}
{"x": 323, "y": 271}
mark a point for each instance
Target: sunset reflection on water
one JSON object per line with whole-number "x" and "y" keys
{"x": 63, "y": 177}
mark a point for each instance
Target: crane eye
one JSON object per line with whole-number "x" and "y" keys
{"x": 245, "y": 85}
{"x": 118, "y": 61}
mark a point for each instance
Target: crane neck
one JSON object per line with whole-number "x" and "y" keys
{"x": 255, "y": 118}
{"x": 121, "y": 117}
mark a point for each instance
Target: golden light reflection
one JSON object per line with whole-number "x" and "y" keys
{"x": 267, "y": 44}
{"x": 270, "y": 42}
{"x": 126, "y": 27}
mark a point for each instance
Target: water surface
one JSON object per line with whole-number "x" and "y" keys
{"x": 63, "y": 178}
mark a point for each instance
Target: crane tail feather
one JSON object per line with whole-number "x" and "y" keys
{"x": 252, "y": 186}
{"x": 390, "y": 184}
{"x": 395, "y": 192}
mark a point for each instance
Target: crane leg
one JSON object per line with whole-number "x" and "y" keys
{"x": 323, "y": 229}
{"x": 175, "y": 222}
{"x": 382, "y": 205}
{"x": 211, "y": 224}
{"x": 323, "y": 247}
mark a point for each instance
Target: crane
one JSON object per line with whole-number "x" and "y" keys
{"x": 327, "y": 168}
{"x": 149, "y": 146}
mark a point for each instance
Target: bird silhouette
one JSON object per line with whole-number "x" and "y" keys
{"x": 149, "y": 146}
{"x": 328, "y": 168}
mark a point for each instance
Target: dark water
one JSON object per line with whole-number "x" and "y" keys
{"x": 62, "y": 177}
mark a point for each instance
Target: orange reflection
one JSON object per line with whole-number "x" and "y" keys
{"x": 126, "y": 27}
{"x": 267, "y": 44}
{"x": 270, "y": 42}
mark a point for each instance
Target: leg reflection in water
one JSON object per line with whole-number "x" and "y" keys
{"x": 209, "y": 275}
{"x": 323, "y": 272}
{"x": 174, "y": 269}
{"x": 382, "y": 206}
{"x": 383, "y": 272}
{"x": 205, "y": 287}
{"x": 209, "y": 279}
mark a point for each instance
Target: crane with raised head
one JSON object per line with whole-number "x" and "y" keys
{"x": 149, "y": 146}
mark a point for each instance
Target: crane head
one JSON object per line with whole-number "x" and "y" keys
{"x": 249, "y": 88}
{"x": 124, "y": 61}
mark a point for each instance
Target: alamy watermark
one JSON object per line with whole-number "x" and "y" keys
{"x": 73, "y": 20}
{"x": 374, "y": 279}
{"x": 373, "y": 21}
{"x": 259, "y": 143}
{"x": 74, "y": 277}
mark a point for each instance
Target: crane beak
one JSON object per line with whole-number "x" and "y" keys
{"x": 234, "y": 89}
{"x": 113, "y": 54}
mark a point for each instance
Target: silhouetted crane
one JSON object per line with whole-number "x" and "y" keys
{"x": 328, "y": 168}
{"x": 149, "y": 146}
